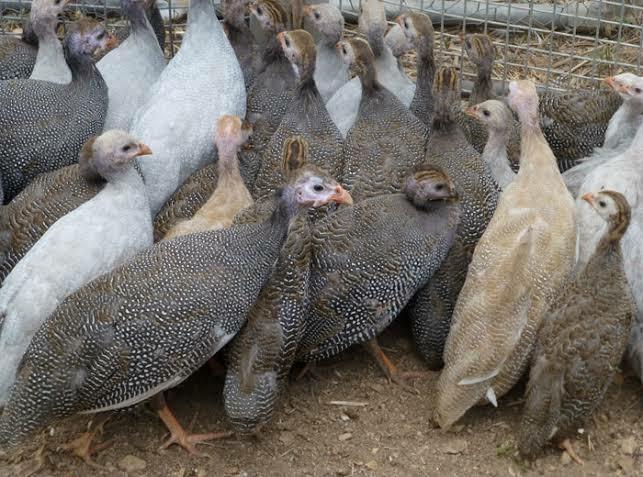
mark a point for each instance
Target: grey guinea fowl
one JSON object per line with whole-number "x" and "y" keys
{"x": 387, "y": 140}
{"x": 46, "y": 199}
{"x": 67, "y": 115}
{"x": 431, "y": 309}
{"x": 306, "y": 115}
{"x": 582, "y": 339}
{"x": 18, "y": 55}
{"x": 155, "y": 18}
{"x": 417, "y": 27}
{"x": 358, "y": 297}
{"x": 241, "y": 38}
{"x": 150, "y": 323}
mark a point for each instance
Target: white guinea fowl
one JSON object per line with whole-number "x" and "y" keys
{"x": 620, "y": 132}
{"x": 202, "y": 82}
{"x": 344, "y": 104}
{"x": 623, "y": 174}
{"x": 76, "y": 249}
{"x": 50, "y": 60}
{"x": 132, "y": 68}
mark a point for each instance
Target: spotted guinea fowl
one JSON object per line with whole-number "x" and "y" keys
{"x": 132, "y": 68}
{"x": 150, "y": 323}
{"x": 621, "y": 129}
{"x": 331, "y": 73}
{"x": 178, "y": 118}
{"x": 500, "y": 123}
{"x": 432, "y": 307}
{"x": 231, "y": 194}
{"x": 582, "y": 339}
{"x": 330, "y": 292}
{"x": 387, "y": 140}
{"x": 306, "y": 115}
{"x": 67, "y": 114}
{"x": 50, "y": 60}
{"x": 74, "y": 249}
{"x": 524, "y": 256}
{"x": 240, "y": 37}
{"x": 18, "y": 55}
{"x": 46, "y": 199}
{"x": 417, "y": 27}
{"x": 153, "y": 14}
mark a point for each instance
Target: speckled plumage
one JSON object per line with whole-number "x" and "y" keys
{"x": 17, "y": 56}
{"x": 44, "y": 125}
{"x": 432, "y": 307}
{"x": 582, "y": 338}
{"x": 526, "y": 253}
{"x": 386, "y": 141}
{"x": 150, "y": 323}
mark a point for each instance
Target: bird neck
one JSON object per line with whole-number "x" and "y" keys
{"x": 425, "y": 67}
{"x": 375, "y": 38}
{"x": 272, "y": 51}
{"x": 495, "y": 154}
{"x": 287, "y": 209}
{"x": 368, "y": 78}
{"x": 228, "y": 164}
{"x": 482, "y": 87}
{"x": 135, "y": 13}
{"x": 637, "y": 144}
{"x": 234, "y": 12}
{"x": 29, "y": 35}
{"x": 442, "y": 116}
{"x": 81, "y": 65}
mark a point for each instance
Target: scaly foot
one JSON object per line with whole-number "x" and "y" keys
{"x": 567, "y": 446}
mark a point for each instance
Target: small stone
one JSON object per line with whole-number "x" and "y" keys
{"x": 375, "y": 450}
{"x": 627, "y": 464}
{"x": 628, "y": 445}
{"x": 344, "y": 417}
{"x": 372, "y": 465}
{"x": 456, "y": 446}
{"x": 565, "y": 458}
{"x": 131, "y": 463}
{"x": 345, "y": 436}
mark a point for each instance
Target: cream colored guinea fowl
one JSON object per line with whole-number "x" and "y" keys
{"x": 231, "y": 194}
{"x": 524, "y": 256}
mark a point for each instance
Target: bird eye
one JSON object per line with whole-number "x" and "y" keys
{"x": 486, "y": 112}
{"x": 57, "y": 2}
{"x": 406, "y": 24}
{"x": 126, "y": 148}
{"x": 637, "y": 90}
{"x": 287, "y": 41}
{"x": 259, "y": 11}
{"x": 318, "y": 187}
{"x": 602, "y": 203}
{"x": 101, "y": 36}
{"x": 344, "y": 50}
{"x": 439, "y": 187}
{"x": 317, "y": 15}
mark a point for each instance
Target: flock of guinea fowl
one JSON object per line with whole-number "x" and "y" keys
{"x": 288, "y": 198}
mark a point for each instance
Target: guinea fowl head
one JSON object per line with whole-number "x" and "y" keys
{"x": 299, "y": 48}
{"x": 417, "y": 27}
{"x": 523, "y": 99}
{"x": 480, "y": 50}
{"x": 86, "y": 41}
{"x": 311, "y": 187}
{"x": 627, "y": 85}
{"x": 328, "y": 20}
{"x": 271, "y": 15}
{"x": 110, "y": 154}
{"x": 494, "y": 114}
{"x": 397, "y": 41}
{"x": 357, "y": 54}
{"x": 295, "y": 154}
{"x": 429, "y": 184}
{"x": 230, "y": 135}
{"x": 613, "y": 208}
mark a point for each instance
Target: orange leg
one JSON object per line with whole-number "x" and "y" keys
{"x": 178, "y": 435}
{"x": 567, "y": 446}
{"x": 389, "y": 369}
{"x": 82, "y": 445}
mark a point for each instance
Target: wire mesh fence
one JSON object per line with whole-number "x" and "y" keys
{"x": 558, "y": 44}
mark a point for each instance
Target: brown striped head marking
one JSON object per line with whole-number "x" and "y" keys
{"x": 479, "y": 49}
{"x": 270, "y": 14}
{"x": 295, "y": 154}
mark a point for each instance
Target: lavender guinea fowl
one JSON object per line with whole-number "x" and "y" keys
{"x": 178, "y": 119}
{"x": 386, "y": 140}
{"x": 68, "y": 114}
{"x": 167, "y": 311}
{"x": 18, "y": 55}
{"x": 50, "y": 61}
{"x": 132, "y": 68}
{"x": 306, "y": 115}
{"x": 76, "y": 248}
{"x": 431, "y": 309}
{"x": 357, "y": 299}
{"x": 581, "y": 342}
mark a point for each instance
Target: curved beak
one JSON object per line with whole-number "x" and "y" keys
{"x": 472, "y": 111}
{"x": 610, "y": 81}
{"x": 588, "y": 197}
{"x": 143, "y": 150}
{"x": 341, "y": 196}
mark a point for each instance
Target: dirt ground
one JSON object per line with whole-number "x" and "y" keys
{"x": 384, "y": 431}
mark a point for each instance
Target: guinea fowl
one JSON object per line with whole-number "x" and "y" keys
{"x": 231, "y": 194}
{"x": 396, "y": 40}
{"x": 68, "y": 114}
{"x": 331, "y": 73}
{"x": 343, "y": 106}
{"x": 624, "y": 174}
{"x": 74, "y": 249}
{"x": 432, "y": 307}
{"x": 167, "y": 311}
{"x": 306, "y": 115}
{"x": 621, "y": 129}
{"x": 132, "y": 68}
{"x": 154, "y": 17}
{"x": 46, "y": 199}
{"x": 177, "y": 120}
{"x": 524, "y": 256}
{"x": 240, "y": 37}
{"x": 50, "y": 60}
{"x": 499, "y": 120}
{"x": 417, "y": 27}
{"x": 18, "y": 55}
{"x": 582, "y": 338}
{"x": 329, "y": 290}
{"x": 387, "y": 140}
